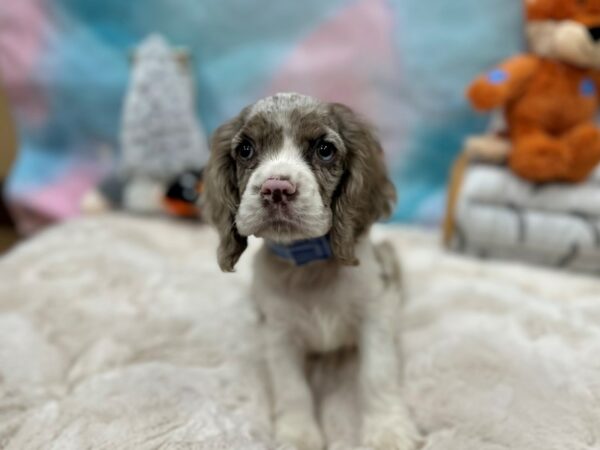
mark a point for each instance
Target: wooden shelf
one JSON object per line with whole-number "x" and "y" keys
{"x": 8, "y": 150}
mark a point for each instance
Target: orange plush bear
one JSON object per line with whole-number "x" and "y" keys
{"x": 550, "y": 96}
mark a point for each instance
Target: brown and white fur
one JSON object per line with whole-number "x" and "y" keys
{"x": 290, "y": 168}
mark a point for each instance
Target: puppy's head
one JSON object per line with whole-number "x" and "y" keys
{"x": 567, "y": 30}
{"x": 290, "y": 168}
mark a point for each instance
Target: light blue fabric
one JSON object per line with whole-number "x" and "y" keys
{"x": 444, "y": 45}
{"x": 239, "y": 48}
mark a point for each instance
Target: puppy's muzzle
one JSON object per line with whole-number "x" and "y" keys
{"x": 278, "y": 191}
{"x": 594, "y": 33}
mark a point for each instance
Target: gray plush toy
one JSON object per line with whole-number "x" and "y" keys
{"x": 160, "y": 136}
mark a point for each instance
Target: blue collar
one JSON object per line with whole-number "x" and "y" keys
{"x": 303, "y": 252}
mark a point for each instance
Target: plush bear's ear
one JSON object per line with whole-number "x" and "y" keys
{"x": 365, "y": 193}
{"x": 222, "y": 196}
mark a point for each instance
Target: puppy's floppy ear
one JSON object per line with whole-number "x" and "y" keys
{"x": 365, "y": 193}
{"x": 222, "y": 196}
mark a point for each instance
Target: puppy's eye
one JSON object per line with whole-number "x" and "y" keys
{"x": 325, "y": 151}
{"x": 245, "y": 150}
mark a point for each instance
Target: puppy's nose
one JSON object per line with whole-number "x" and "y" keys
{"x": 594, "y": 33}
{"x": 277, "y": 191}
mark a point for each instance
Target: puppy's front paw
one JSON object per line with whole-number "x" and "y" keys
{"x": 299, "y": 431}
{"x": 393, "y": 431}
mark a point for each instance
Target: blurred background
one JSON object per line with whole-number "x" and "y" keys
{"x": 120, "y": 332}
{"x": 404, "y": 64}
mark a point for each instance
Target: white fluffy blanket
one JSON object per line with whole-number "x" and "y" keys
{"x": 120, "y": 333}
{"x": 500, "y": 215}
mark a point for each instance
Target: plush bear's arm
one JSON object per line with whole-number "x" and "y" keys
{"x": 498, "y": 86}
{"x": 596, "y": 79}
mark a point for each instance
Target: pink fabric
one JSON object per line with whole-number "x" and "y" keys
{"x": 342, "y": 61}
{"x": 23, "y": 34}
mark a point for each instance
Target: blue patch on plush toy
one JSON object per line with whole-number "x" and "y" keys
{"x": 587, "y": 87}
{"x": 497, "y": 76}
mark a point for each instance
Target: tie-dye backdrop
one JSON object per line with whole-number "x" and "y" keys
{"x": 402, "y": 63}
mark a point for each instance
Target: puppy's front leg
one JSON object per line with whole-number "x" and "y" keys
{"x": 293, "y": 404}
{"x": 386, "y": 422}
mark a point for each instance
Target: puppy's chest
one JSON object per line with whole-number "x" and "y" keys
{"x": 323, "y": 316}
{"x": 328, "y": 321}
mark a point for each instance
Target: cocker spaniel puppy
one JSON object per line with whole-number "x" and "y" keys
{"x": 309, "y": 178}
